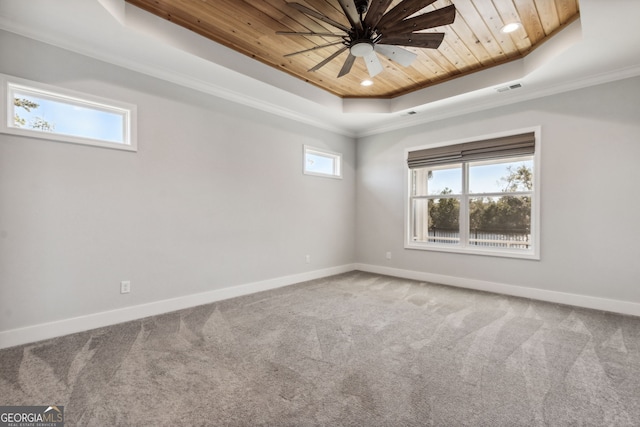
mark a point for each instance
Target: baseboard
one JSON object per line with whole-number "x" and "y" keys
{"x": 58, "y": 328}
{"x": 604, "y": 304}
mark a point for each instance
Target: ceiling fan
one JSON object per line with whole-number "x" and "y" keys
{"x": 372, "y": 30}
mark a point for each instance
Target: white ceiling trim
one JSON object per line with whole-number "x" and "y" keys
{"x": 170, "y": 74}
{"x": 450, "y": 108}
{"x": 116, "y": 32}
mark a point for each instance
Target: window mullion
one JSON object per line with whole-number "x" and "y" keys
{"x": 464, "y": 206}
{"x": 503, "y": 193}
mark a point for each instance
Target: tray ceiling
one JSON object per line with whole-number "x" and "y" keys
{"x": 473, "y": 42}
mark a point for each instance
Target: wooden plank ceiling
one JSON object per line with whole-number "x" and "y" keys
{"x": 473, "y": 42}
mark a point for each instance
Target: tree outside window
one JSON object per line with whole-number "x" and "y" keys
{"x": 36, "y": 122}
{"x": 498, "y": 212}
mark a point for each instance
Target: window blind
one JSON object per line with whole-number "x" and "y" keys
{"x": 507, "y": 146}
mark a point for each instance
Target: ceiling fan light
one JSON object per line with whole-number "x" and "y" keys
{"x": 366, "y": 82}
{"x": 510, "y": 28}
{"x": 362, "y": 48}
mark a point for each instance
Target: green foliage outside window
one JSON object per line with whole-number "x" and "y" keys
{"x": 503, "y": 213}
{"x": 37, "y": 122}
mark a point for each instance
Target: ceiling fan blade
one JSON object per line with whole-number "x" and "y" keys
{"x": 317, "y": 15}
{"x": 377, "y": 8}
{"x": 373, "y": 63}
{"x": 423, "y": 40}
{"x": 402, "y": 10}
{"x": 300, "y": 33}
{"x": 397, "y": 54}
{"x": 436, "y": 18}
{"x": 313, "y": 48}
{"x": 348, "y": 63}
{"x": 349, "y": 9}
{"x": 328, "y": 59}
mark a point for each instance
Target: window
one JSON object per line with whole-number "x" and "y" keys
{"x": 322, "y": 162}
{"x": 42, "y": 111}
{"x": 475, "y": 197}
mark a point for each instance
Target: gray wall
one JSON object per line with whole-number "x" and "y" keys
{"x": 589, "y": 197}
{"x": 215, "y": 197}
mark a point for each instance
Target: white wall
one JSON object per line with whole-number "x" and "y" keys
{"x": 589, "y": 212}
{"x": 215, "y": 197}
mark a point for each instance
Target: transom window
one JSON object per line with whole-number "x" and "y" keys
{"x": 477, "y": 197}
{"x": 322, "y": 162}
{"x": 42, "y": 111}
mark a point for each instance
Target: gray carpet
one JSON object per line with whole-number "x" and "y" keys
{"x": 356, "y": 349}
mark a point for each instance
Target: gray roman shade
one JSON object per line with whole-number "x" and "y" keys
{"x": 507, "y": 146}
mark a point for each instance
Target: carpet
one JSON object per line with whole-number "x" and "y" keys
{"x": 356, "y": 349}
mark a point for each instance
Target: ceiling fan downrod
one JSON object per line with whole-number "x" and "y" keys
{"x": 361, "y": 6}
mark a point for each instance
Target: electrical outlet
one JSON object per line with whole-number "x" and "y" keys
{"x": 125, "y": 287}
{"x": 388, "y": 255}
{"x": 308, "y": 259}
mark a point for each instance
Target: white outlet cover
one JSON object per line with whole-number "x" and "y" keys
{"x": 125, "y": 287}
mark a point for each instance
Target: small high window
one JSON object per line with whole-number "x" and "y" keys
{"x": 42, "y": 111}
{"x": 321, "y": 162}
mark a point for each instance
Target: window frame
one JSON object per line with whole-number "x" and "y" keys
{"x": 10, "y": 84}
{"x": 336, "y": 157}
{"x": 464, "y": 247}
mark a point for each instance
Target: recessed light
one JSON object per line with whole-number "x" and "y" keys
{"x": 510, "y": 28}
{"x": 366, "y": 82}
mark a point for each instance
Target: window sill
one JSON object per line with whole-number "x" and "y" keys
{"x": 501, "y": 253}
{"x": 67, "y": 138}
